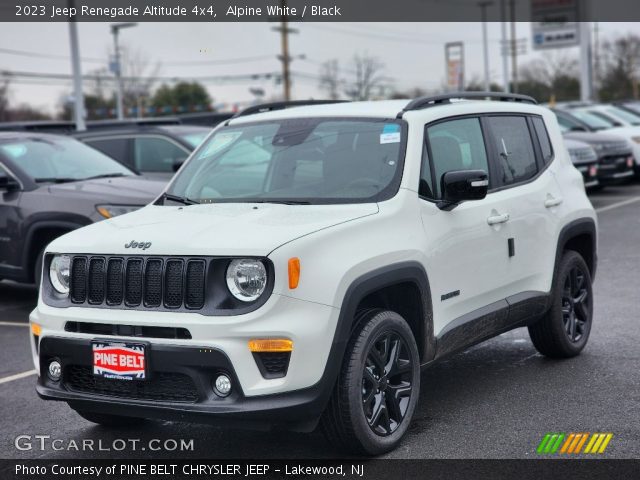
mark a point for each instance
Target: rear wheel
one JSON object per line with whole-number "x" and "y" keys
{"x": 564, "y": 330}
{"x": 378, "y": 387}
{"x": 110, "y": 420}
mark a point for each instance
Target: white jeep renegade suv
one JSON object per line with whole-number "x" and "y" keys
{"x": 305, "y": 264}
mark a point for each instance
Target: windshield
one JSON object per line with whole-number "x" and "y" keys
{"x": 305, "y": 160}
{"x": 50, "y": 159}
{"x": 624, "y": 115}
{"x": 594, "y": 122}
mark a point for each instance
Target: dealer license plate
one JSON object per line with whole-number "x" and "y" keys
{"x": 119, "y": 360}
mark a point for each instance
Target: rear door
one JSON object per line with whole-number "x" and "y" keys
{"x": 522, "y": 154}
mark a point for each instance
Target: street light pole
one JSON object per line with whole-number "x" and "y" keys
{"x": 504, "y": 48}
{"x": 485, "y": 44}
{"x": 78, "y": 96}
{"x": 116, "y": 68}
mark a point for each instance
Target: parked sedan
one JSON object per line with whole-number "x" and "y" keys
{"x": 585, "y": 159}
{"x": 580, "y": 120}
{"x": 51, "y": 184}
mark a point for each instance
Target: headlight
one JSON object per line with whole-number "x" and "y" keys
{"x": 246, "y": 279}
{"x": 636, "y": 139}
{"x": 109, "y": 211}
{"x": 59, "y": 273}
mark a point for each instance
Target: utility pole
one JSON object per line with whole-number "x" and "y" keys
{"x": 117, "y": 67}
{"x": 514, "y": 46}
{"x": 284, "y": 57}
{"x": 596, "y": 58}
{"x": 78, "y": 96}
{"x": 503, "y": 45}
{"x": 585, "y": 62}
{"x": 485, "y": 44}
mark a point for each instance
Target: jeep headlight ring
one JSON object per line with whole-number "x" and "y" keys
{"x": 59, "y": 273}
{"x": 246, "y": 279}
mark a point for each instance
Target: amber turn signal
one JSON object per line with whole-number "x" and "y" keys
{"x": 36, "y": 329}
{"x": 270, "y": 345}
{"x": 294, "y": 272}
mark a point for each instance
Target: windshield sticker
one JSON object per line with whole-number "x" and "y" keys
{"x": 390, "y": 134}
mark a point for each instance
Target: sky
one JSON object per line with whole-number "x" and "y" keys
{"x": 413, "y": 53}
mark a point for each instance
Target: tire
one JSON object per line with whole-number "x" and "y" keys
{"x": 113, "y": 421}
{"x": 361, "y": 416}
{"x": 564, "y": 330}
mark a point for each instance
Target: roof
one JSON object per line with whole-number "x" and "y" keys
{"x": 19, "y": 135}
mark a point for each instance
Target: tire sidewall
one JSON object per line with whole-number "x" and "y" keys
{"x": 381, "y": 322}
{"x": 570, "y": 260}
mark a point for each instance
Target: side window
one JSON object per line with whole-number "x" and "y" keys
{"x": 454, "y": 145}
{"x": 512, "y": 142}
{"x": 543, "y": 139}
{"x": 153, "y": 154}
{"x": 116, "y": 148}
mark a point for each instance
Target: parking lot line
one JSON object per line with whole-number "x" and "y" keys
{"x": 17, "y": 376}
{"x": 618, "y": 204}
{"x": 14, "y": 324}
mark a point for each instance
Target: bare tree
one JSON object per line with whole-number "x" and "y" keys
{"x": 330, "y": 78}
{"x": 139, "y": 75}
{"x": 621, "y": 62}
{"x": 368, "y": 77}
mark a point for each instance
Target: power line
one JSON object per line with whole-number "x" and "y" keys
{"x": 25, "y": 53}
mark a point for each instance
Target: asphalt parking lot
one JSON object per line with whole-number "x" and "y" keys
{"x": 496, "y": 400}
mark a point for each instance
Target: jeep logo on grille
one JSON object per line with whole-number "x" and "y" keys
{"x": 134, "y": 244}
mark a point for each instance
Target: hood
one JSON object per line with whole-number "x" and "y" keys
{"x": 233, "y": 229}
{"x": 594, "y": 138}
{"x": 118, "y": 190}
{"x": 625, "y": 132}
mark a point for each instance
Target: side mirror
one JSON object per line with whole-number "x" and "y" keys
{"x": 8, "y": 183}
{"x": 460, "y": 185}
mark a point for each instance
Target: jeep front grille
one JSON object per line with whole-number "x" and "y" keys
{"x": 147, "y": 282}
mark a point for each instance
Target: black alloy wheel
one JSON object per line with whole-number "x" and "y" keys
{"x": 387, "y": 383}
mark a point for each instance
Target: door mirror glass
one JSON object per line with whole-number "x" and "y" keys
{"x": 462, "y": 185}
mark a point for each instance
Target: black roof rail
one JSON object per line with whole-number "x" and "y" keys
{"x": 270, "y": 107}
{"x": 426, "y": 102}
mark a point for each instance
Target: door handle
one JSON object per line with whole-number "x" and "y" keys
{"x": 551, "y": 202}
{"x": 495, "y": 219}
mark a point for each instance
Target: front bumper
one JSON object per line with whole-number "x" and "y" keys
{"x": 217, "y": 344}
{"x": 162, "y": 396}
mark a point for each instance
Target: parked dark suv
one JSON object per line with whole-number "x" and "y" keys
{"x": 155, "y": 151}
{"x": 50, "y": 185}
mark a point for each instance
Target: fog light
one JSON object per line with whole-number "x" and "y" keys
{"x": 223, "y": 385}
{"x": 55, "y": 370}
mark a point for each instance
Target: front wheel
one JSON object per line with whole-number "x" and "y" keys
{"x": 377, "y": 389}
{"x": 564, "y": 330}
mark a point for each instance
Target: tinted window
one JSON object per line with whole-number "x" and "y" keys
{"x": 114, "y": 147}
{"x": 311, "y": 160}
{"x": 154, "y": 154}
{"x": 53, "y": 158}
{"x": 512, "y": 142}
{"x": 543, "y": 139}
{"x": 455, "y": 145}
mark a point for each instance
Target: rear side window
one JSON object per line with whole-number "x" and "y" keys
{"x": 116, "y": 148}
{"x": 154, "y": 154}
{"x": 543, "y": 139}
{"x": 454, "y": 145}
{"x": 512, "y": 142}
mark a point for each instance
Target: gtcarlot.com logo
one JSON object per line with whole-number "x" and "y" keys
{"x": 574, "y": 443}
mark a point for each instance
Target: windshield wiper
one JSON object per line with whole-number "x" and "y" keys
{"x": 104, "y": 175}
{"x": 55, "y": 180}
{"x": 176, "y": 198}
{"x": 283, "y": 202}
